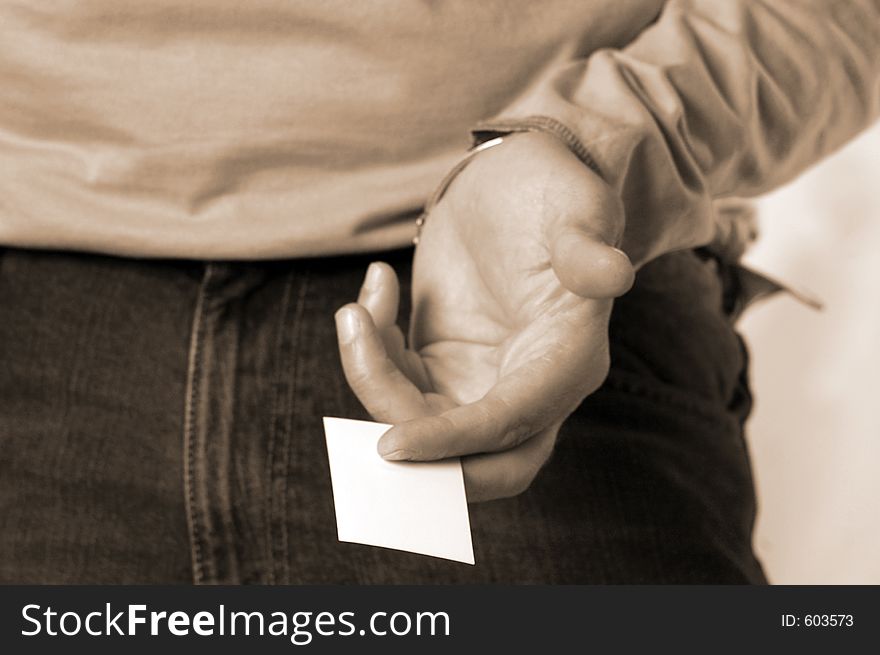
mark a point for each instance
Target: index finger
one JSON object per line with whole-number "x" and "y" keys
{"x": 521, "y": 404}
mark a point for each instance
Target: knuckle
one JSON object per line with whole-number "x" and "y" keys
{"x": 514, "y": 435}
{"x": 358, "y": 377}
{"x": 424, "y": 448}
{"x": 489, "y": 412}
{"x": 386, "y": 368}
{"x": 494, "y": 417}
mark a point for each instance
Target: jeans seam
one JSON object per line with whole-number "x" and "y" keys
{"x": 279, "y": 455}
{"x": 193, "y": 389}
{"x": 273, "y": 435}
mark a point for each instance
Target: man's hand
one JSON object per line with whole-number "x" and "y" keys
{"x": 512, "y": 286}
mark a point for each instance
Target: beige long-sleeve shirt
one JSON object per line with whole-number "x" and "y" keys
{"x": 278, "y": 128}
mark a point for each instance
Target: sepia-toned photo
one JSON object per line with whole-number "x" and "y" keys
{"x": 437, "y": 292}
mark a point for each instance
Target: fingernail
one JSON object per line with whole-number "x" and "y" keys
{"x": 347, "y": 325}
{"x": 396, "y": 455}
{"x": 387, "y": 447}
{"x": 371, "y": 280}
{"x": 620, "y": 252}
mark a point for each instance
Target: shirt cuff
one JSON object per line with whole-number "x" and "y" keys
{"x": 487, "y": 130}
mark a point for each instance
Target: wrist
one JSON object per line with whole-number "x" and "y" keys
{"x": 487, "y": 130}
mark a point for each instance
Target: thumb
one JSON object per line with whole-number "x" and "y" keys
{"x": 586, "y": 219}
{"x": 588, "y": 266}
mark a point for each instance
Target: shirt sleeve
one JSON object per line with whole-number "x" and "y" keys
{"x": 716, "y": 98}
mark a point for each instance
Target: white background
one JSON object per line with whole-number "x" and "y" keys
{"x": 815, "y": 430}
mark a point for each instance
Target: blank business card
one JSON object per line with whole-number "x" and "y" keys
{"x": 418, "y": 507}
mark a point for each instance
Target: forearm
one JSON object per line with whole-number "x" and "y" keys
{"x": 717, "y": 98}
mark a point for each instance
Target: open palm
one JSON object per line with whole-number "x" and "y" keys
{"x": 512, "y": 283}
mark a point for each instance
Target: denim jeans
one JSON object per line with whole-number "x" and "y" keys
{"x": 160, "y": 422}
